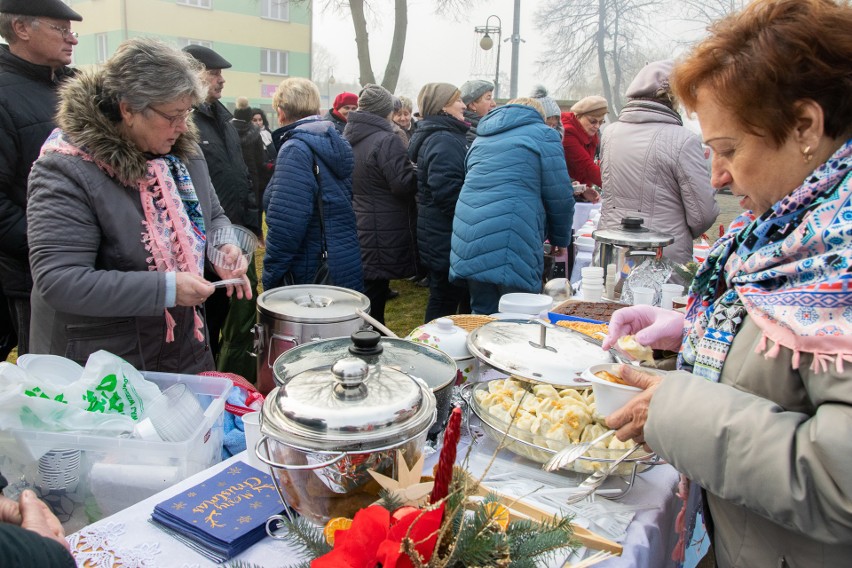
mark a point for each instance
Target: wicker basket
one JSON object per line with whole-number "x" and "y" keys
{"x": 469, "y": 322}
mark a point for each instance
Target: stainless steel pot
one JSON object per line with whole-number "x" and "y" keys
{"x": 626, "y": 247}
{"x": 437, "y": 369}
{"x": 294, "y": 315}
{"x": 325, "y": 428}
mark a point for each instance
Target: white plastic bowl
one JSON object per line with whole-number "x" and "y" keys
{"x": 610, "y": 396}
{"x": 54, "y": 369}
{"x": 523, "y": 303}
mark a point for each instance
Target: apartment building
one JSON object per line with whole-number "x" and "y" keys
{"x": 265, "y": 40}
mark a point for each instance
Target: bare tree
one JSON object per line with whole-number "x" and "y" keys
{"x": 705, "y": 12}
{"x": 603, "y": 33}
{"x": 365, "y": 11}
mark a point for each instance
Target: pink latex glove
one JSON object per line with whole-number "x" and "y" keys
{"x": 654, "y": 327}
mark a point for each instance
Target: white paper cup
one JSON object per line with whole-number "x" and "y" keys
{"x": 643, "y": 295}
{"x": 669, "y": 292}
{"x": 251, "y": 426}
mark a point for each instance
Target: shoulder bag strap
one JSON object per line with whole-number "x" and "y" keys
{"x": 324, "y": 253}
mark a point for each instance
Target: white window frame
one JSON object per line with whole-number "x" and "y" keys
{"x": 185, "y": 41}
{"x": 275, "y": 10}
{"x": 206, "y": 4}
{"x": 274, "y": 62}
{"x": 102, "y": 42}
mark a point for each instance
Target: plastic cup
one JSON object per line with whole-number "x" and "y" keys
{"x": 592, "y": 272}
{"x": 251, "y": 426}
{"x": 175, "y": 414}
{"x": 592, "y": 292}
{"x": 231, "y": 247}
{"x": 669, "y": 292}
{"x": 642, "y": 295}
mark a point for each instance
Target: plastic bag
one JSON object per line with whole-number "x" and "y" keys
{"x": 106, "y": 400}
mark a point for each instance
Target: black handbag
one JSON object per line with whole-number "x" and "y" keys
{"x": 323, "y": 274}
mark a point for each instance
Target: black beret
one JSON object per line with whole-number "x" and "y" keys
{"x": 44, "y": 8}
{"x": 209, "y": 58}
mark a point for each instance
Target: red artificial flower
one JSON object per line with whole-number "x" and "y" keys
{"x": 356, "y": 547}
{"x": 372, "y": 540}
{"x": 424, "y": 526}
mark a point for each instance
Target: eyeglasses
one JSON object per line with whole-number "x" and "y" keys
{"x": 174, "y": 119}
{"x": 66, "y": 33}
{"x": 595, "y": 121}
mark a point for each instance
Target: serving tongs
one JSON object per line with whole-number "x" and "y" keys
{"x": 569, "y": 454}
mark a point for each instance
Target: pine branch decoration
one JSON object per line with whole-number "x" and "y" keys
{"x": 305, "y": 537}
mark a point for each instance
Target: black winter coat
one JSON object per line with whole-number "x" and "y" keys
{"x": 220, "y": 143}
{"x": 438, "y": 147}
{"x": 27, "y": 104}
{"x": 384, "y": 186}
{"x": 254, "y": 156}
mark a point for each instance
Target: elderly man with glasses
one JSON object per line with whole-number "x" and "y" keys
{"x": 32, "y": 66}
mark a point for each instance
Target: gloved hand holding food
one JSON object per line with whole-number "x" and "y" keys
{"x": 652, "y": 327}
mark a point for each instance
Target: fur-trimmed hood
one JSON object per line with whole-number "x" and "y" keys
{"x": 82, "y": 116}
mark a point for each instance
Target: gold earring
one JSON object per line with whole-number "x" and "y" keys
{"x": 807, "y": 155}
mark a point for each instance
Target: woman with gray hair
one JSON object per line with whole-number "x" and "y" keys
{"x": 120, "y": 204}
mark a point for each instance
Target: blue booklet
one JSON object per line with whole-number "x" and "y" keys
{"x": 223, "y": 515}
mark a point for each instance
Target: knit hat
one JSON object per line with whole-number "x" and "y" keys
{"x": 472, "y": 90}
{"x": 375, "y": 99}
{"x": 652, "y": 81}
{"x": 44, "y": 8}
{"x": 243, "y": 113}
{"x": 551, "y": 107}
{"x": 435, "y": 96}
{"x": 589, "y": 105}
{"x": 344, "y": 99}
{"x": 209, "y": 58}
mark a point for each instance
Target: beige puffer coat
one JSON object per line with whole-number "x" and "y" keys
{"x": 652, "y": 167}
{"x": 771, "y": 446}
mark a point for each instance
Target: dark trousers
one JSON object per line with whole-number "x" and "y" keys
{"x": 377, "y": 292}
{"x": 445, "y": 298}
{"x": 20, "y": 310}
{"x": 215, "y": 312}
{"x": 8, "y": 337}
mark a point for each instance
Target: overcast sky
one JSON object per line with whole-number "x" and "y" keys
{"x": 437, "y": 48}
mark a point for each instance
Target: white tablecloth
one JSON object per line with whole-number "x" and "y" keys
{"x": 130, "y": 537}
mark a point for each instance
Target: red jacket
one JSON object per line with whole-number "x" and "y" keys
{"x": 580, "y": 151}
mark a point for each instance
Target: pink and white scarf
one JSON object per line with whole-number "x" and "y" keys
{"x": 176, "y": 244}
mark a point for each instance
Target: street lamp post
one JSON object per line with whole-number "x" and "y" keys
{"x": 487, "y": 43}
{"x": 328, "y": 85}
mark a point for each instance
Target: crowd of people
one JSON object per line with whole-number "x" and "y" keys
{"x": 112, "y": 178}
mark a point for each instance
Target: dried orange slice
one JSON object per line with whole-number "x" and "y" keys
{"x": 497, "y": 513}
{"x": 334, "y": 525}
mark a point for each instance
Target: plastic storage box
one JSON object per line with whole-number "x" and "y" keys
{"x": 109, "y": 474}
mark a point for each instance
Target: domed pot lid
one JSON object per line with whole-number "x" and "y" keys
{"x": 631, "y": 233}
{"x": 538, "y": 352}
{"x": 350, "y": 406}
{"x": 312, "y": 303}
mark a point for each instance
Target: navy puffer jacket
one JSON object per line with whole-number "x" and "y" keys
{"x": 516, "y": 194}
{"x": 438, "y": 148}
{"x": 293, "y": 240}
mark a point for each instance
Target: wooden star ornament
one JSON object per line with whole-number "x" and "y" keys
{"x": 407, "y": 487}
